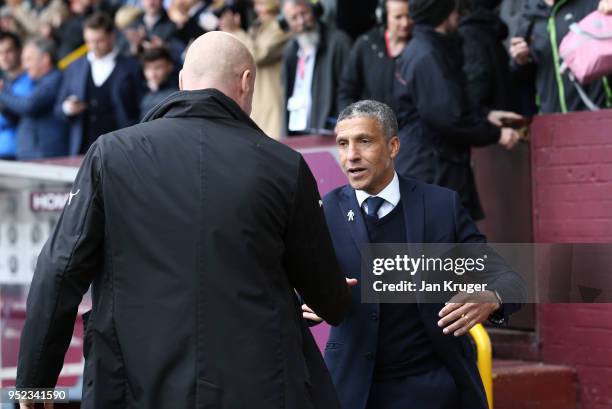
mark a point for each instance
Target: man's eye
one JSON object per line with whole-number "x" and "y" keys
{"x": 365, "y": 140}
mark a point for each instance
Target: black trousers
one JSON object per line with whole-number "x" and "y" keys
{"x": 435, "y": 389}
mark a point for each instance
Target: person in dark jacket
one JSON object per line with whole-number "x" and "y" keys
{"x": 39, "y": 133}
{"x": 370, "y": 69}
{"x": 413, "y": 355}
{"x": 158, "y": 69}
{"x": 195, "y": 230}
{"x": 312, "y": 66}
{"x": 153, "y": 29}
{"x": 438, "y": 125}
{"x": 486, "y": 60}
{"x": 535, "y": 57}
{"x": 101, "y": 91}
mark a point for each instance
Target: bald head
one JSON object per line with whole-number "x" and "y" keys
{"x": 219, "y": 60}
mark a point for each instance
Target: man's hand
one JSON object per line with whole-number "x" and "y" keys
{"x": 72, "y": 106}
{"x": 463, "y": 311}
{"x": 506, "y": 119}
{"x": 605, "y": 6}
{"x": 509, "y": 137}
{"x": 310, "y": 315}
{"x": 519, "y": 50}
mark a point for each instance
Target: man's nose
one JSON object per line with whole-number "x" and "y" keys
{"x": 353, "y": 153}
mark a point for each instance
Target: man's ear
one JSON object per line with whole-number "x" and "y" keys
{"x": 394, "y": 146}
{"x": 246, "y": 81}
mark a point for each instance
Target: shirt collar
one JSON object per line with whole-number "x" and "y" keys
{"x": 106, "y": 59}
{"x": 391, "y": 193}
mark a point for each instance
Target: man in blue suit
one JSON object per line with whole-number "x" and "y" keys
{"x": 39, "y": 133}
{"x": 397, "y": 356}
{"x": 101, "y": 91}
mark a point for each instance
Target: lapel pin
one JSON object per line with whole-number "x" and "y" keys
{"x": 320, "y": 203}
{"x": 350, "y": 215}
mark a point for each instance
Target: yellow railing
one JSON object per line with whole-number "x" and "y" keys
{"x": 74, "y": 55}
{"x": 485, "y": 359}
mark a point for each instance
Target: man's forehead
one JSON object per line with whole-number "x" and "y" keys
{"x": 358, "y": 126}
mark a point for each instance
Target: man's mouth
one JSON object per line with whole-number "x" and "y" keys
{"x": 356, "y": 172}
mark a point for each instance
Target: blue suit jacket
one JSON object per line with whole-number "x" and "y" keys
{"x": 433, "y": 215}
{"x": 127, "y": 89}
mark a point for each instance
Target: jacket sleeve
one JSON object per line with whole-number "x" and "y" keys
{"x": 310, "y": 260}
{"x": 352, "y": 79}
{"x": 476, "y": 65}
{"x": 498, "y": 275}
{"x": 442, "y": 104}
{"x": 41, "y": 99}
{"x": 127, "y": 94}
{"x": 63, "y": 93}
{"x": 65, "y": 269}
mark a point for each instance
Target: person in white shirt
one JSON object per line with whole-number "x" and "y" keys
{"x": 100, "y": 91}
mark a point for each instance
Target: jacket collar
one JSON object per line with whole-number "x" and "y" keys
{"x": 206, "y": 103}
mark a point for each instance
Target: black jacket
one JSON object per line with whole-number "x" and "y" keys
{"x": 332, "y": 54}
{"x": 533, "y": 26}
{"x": 194, "y": 229}
{"x": 486, "y": 61}
{"x": 369, "y": 71}
{"x": 437, "y": 123}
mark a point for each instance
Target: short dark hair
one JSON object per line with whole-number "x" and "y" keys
{"x": 8, "y": 35}
{"x": 154, "y": 54}
{"x": 382, "y": 113}
{"x": 99, "y": 21}
{"x": 45, "y": 46}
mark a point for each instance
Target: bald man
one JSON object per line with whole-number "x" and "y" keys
{"x": 194, "y": 229}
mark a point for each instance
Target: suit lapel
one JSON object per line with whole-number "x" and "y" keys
{"x": 352, "y": 216}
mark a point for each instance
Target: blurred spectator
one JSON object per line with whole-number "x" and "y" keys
{"x": 158, "y": 68}
{"x": 70, "y": 34}
{"x": 9, "y": 24}
{"x": 544, "y": 23}
{"x": 39, "y": 17}
{"x": 151, "y": 29}
{"x": 39, "y": 133}
{"x": 316, "y": 56}
{"x": 486, "y": 60}
{"x": 101, "y": 92}
{"x": 230, "y": 21}
{"x": 266, "y": 41}
{"x": 437, "y": 126}
{"x": 17, "y": 82}
{"x": 186, "y": 15}
{"x": 370, "y": 71}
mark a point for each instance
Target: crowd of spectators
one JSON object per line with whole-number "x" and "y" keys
{"x": 119, "y": 58}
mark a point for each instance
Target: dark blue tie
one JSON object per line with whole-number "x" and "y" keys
{"x": 374, "y": 204}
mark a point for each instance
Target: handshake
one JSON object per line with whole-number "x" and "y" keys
{"x": 514, "y": 127}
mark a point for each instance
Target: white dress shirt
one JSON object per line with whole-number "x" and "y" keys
{"x": 300, "y": 103}
{"x": 391, "y": 194}
{"x": 102, "y": 68}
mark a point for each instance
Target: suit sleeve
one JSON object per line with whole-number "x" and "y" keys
{"x": 41, "y": 100}
{"x": 66, "y": 267}
{"x": 498, "y": 275}
{"x": 310, "y": 259}
{"x": 443, "y": 105}
{"x": 63, "y": 93}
